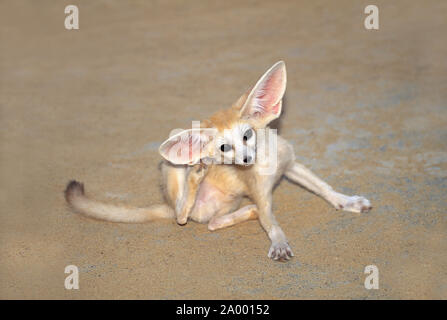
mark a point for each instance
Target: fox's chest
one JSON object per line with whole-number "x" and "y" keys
{"x": 209, "y": 193}
{"x": 211, "y": 200}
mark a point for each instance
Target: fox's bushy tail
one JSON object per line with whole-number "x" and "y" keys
{"x": 76, "y": 198}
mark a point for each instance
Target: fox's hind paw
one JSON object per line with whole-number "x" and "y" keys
{"x": 197, "y": 173}
{"x": 353, "y": 204}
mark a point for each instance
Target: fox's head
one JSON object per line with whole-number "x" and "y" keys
{"x": 229, "y": 136}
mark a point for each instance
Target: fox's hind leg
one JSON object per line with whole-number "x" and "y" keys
{"x": 194, "y": 176}
{"x": 181, "y": 184}
{"x": 243, "y": 214}
{"x": 303, "y": 176}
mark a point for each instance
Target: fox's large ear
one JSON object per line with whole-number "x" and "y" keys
{"x": 264, "y": 102}
{"x": 188, "y": 146}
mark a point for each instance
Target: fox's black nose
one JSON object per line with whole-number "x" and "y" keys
{"x": 247, "y": 159}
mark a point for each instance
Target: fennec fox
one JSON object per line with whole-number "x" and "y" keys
{"x": 207, "y": 171}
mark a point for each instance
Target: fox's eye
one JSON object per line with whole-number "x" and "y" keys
{"x": 225, "y": 147}
{"x": 248, "y": 134}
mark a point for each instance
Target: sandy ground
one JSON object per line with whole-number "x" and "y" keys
{"x": 366, "y": 110}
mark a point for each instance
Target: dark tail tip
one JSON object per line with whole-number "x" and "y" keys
{"x": 73, "y": 189}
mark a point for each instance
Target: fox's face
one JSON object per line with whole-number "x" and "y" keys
{"x": 230, "y": 136}
{"x": 236, "y": 145}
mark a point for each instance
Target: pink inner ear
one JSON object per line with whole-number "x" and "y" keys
{"x": 185, "y": 149}
{"x": 275, "y": 109}
{"x": 188, "y": 147}
{"x": 177, "y": 149}
{"x": 268, "y": 94}
{"x": 190, "y": 141}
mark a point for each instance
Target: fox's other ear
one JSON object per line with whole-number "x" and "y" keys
{"x": 264, "y": 102}
{"x": 188, "y": 146}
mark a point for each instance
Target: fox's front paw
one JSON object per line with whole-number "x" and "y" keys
{"x": 280, "y": 251}
{"x": 354, "y": 204}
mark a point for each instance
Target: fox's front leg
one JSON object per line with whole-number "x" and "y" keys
{"x": 184, "y": 205}
{"x": 279, "y": 249}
